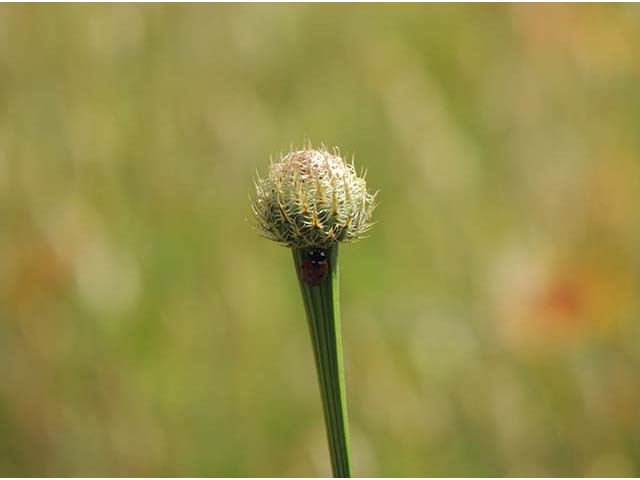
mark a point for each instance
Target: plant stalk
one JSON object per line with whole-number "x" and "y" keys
{"x": 322, "y": 304}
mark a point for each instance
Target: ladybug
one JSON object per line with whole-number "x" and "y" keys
{"x": 314, "y": 266}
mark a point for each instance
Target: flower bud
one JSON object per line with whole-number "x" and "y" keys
{"x": 312, "y": 198}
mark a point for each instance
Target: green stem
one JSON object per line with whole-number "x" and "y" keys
{"x": 322, "y": 304}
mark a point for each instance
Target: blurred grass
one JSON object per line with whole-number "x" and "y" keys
{"x": 490, "y": 322}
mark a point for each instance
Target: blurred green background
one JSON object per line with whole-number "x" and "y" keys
{"x": 490, "y": 321}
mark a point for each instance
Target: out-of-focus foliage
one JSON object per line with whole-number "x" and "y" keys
{"x": 490, "y": 321}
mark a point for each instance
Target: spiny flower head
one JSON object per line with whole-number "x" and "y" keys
{"x": 312, "y": 198}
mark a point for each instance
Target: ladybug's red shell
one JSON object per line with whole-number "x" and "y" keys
{"x": 314, "y": 267}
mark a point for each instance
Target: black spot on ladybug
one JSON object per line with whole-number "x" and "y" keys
{"x": 314, "y": 267}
